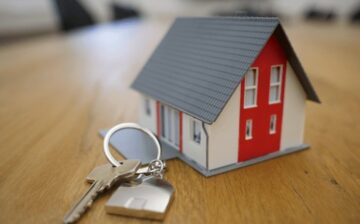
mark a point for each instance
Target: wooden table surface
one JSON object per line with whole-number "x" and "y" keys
{"x": 56, "y": 93}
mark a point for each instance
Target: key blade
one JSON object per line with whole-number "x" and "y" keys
{"x": 131, "y": 165}
{"x": 103, "y": 177}
{"x": 85, "y": 201}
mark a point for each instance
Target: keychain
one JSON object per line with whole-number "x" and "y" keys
{"x": 142, "y": 193}
{"x": 148, "y": 195}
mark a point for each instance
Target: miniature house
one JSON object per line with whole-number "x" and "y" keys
{"x": 225, "y": 92}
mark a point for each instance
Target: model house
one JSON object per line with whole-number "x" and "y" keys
{"x": 225, "y": 92}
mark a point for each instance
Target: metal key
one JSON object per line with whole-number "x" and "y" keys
{"x": 102, "y": 178}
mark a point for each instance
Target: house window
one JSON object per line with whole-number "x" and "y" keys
{"x": 275, "y": 84}
{"x": 196, "y": 131}
{"x": 147, "y": 107}
{"x": 251, "y": 88}
{"x": 272, "y": 129}
{"x": 248, "y": 130}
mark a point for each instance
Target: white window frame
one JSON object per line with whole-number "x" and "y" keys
{"x": 272, "y": 128}
{"x": 251, "y": 87}
{"x": 147, "y": 106}
{"x": 278, "y": 84}
{"x": 176, "y": 127}
{"x": 169, "y": 120}
{"x": 193, "y": 123}
{"x": 248, "y": 123}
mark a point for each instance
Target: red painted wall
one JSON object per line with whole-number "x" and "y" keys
{"x": 158, "y": 124}
{"x": 263, "y": 142}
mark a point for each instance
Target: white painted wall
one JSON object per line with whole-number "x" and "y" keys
{"x": 224, "y": 134}
{"x": 193, "y": 150}
{"x": 292, "y": 132}
{"x": 144, "y": 119}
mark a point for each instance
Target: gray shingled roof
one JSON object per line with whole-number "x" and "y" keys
{"x": 201, "y": 61}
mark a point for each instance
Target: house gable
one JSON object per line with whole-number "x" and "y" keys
{"x": 201, "y": 61}
{"x": 272, "y": 60}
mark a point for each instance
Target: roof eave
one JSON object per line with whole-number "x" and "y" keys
{"x": 295, "y": 63}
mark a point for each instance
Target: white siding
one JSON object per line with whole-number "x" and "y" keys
{"x": 294, "y": 111}
{"x": 191, "y": 149}
{"x": 144, "y": 119}
{"x": 224, "y": 134}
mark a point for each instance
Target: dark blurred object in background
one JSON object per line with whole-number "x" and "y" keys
{"x": 313, "y": 14}
{"x": 20, "y": 20}
{"x": 72, "y": 15}
{"x": 247, "y": 12}
{"x": 121, "y": 12}
{"x": 355, "y": 15}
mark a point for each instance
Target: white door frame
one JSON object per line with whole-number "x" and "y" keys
{"x": 170, "y": 125}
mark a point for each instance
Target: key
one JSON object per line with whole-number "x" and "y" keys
{"x": 102, "y": 178}
{"x": 149, "y": 199}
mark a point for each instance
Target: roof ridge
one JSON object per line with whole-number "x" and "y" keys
{"x": 209, "y": 60}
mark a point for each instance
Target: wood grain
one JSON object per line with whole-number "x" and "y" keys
{"x": 57, "y": 92}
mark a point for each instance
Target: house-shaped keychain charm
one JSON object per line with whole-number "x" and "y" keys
{"x": 225, "y": 92}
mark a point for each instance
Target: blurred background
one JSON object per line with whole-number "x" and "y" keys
{"x": 21, "y": 19}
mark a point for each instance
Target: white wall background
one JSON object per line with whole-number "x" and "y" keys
{"x": 22, "y": 17}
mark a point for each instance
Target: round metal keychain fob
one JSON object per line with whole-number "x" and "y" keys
{"x": 150, "y": 198}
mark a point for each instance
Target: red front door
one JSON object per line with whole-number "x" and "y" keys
{"x": 261, "y": 103}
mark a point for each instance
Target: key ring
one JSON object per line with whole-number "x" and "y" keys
{"x": 121, "y": 126}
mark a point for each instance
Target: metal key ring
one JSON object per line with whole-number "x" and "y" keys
{"x": 119, "y": 127}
